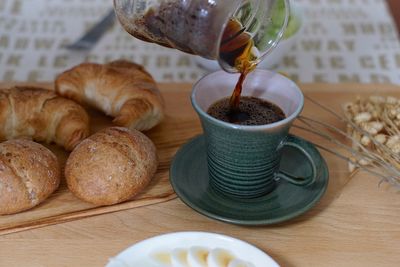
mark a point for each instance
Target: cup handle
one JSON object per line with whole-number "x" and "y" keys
{"x": 310, "y": 153}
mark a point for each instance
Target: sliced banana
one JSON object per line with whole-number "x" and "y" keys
{"x": 197, "y": 257}
{"x": 161, "y": 258}
{"x": 219, "y": 258}
{"x": 240, "y": 263}
{"x": 179, "y": 258}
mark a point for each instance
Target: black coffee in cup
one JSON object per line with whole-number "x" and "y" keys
{"x": 252, "y": 111}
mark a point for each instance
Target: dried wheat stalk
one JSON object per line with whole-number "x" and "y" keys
{"x": 373, "y": 131}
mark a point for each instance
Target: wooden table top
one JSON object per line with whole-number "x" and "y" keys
{"x": 356, "y": 223}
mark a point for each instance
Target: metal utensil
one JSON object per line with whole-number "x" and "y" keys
{"x": 87, "y": 41}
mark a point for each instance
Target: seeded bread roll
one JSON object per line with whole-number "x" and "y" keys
{"x": 111, "y": 166}
{"x": 29, "y": 173}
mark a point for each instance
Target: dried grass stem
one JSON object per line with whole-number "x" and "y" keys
{"x": 377, "y": 158}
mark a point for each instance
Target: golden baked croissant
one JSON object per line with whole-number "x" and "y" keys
{"x": 120, "y": 89}
{"x": 43, "y": 116}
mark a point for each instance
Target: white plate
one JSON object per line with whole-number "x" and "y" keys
{"x": 138, "y": 254}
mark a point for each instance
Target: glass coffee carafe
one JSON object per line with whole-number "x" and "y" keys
{"x": 234, "y": 32}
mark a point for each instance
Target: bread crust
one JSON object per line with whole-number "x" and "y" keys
{"x": 121, "y": 89}
{"x": 41, "y": 115}
{"x": 29, "y": 173}
{"x": 111, "y": 166}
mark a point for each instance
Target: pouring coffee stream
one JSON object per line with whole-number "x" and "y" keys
{"x": 237, "y": 49}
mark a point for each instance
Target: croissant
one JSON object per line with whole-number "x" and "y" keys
{"x": 43, "y": 116}
{"x": 120, "y": 89}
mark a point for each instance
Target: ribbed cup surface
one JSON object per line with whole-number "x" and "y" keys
{"x": 242, "y": 163}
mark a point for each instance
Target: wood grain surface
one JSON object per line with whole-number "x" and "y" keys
{"x": 356, "y": 223}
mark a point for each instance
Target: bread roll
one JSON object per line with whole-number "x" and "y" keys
{"x": 111, "y": 166}
{"x": 120, "y": 89}
{"x": 42, "y": 115}
{"x": 29, "y": 173}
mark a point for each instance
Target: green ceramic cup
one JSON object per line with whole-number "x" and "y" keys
{"x": 243, "y": 161}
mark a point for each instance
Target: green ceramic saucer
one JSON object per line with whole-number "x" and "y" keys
{"x": 189, "y": 178}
